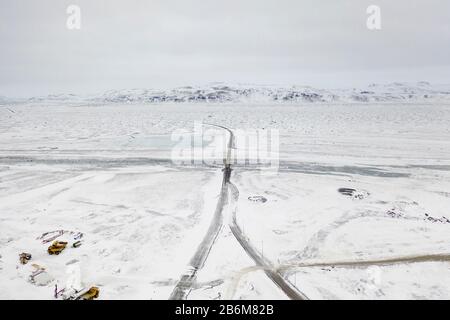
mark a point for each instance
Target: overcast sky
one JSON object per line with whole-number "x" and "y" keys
{"x": 164, "y": 43}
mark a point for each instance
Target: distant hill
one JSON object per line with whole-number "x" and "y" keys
{"x": 221, "y": 93}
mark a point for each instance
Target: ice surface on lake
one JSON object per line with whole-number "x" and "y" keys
{"x": 105, "y": 170}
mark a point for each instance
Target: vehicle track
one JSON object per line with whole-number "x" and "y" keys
{"x": 187, "y": 280}
{"x": 339, "y": 264}
{"x": 261, "y": 262}
{"x": 374, "y": 262}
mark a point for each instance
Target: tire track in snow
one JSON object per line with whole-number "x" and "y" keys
{"x": 261, "y": 262}
{"x": 373, "y": 262}
{"x": 187, "y": 280}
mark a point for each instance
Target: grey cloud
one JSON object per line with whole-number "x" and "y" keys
{"x": 142, "y": 43}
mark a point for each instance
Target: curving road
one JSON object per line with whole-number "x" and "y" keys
{"x": 187, "y": 280}
{"x": 262, "y": 263}
{"x": 444, "y": 257}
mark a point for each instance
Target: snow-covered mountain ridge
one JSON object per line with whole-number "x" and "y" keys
{"x": 221, "y": 93}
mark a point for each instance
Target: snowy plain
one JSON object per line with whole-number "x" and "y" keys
{"x": 106, "y": 171}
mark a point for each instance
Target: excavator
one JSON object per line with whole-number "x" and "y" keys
{"x": 89, "y": 293}
{"x": 57, "y": 247}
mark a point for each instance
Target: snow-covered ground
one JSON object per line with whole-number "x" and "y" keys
{"x": 140, "y": 224}
{"x": 105, "y": 171}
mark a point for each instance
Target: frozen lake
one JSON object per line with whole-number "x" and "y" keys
{"x": 106, "y": 171}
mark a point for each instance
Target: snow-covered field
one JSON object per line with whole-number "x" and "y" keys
{"x": 105, "y": 171}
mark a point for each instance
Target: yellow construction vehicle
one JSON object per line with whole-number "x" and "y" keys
{"x": 56, "y": 247}
{"x": 24, "y": 257}
{"x": 91, "y": 294}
